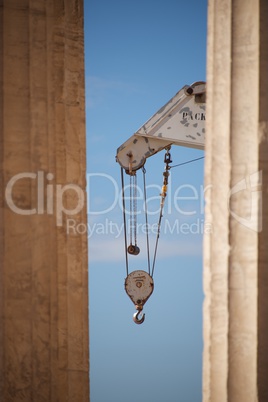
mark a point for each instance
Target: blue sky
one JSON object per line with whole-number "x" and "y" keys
{"x": 138, "y": 55}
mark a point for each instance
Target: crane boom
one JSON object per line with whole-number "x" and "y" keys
{"x": 181, "y": 121}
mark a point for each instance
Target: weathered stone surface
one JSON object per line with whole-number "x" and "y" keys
{"x": 235, "y": 280}
{"x": 43, "y": 269}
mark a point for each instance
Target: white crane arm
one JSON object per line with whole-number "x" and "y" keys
{"x": 181, "y": 121}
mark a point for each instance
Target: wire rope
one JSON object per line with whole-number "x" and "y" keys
{"x": 146, "y": 220}
{"x": 124, "y": 216}
{"x": 135, "y": 208}
{"x": 157, "y": 238}
{"x": 130, "y": 208}
{"x": 185, "y": 163}
{"x": 133, "y": 212}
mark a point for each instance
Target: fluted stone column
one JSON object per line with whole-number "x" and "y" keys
{"x": 43, "y": 266}
{"x": 235, "y": 255}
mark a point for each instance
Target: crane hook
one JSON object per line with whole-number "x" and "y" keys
{"x": 136, "y": 318}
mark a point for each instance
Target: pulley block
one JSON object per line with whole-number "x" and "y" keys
{"x": 139, "y": 286}
{"x": 133, "y": 250}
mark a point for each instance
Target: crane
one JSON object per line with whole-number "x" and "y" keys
{"x": 181, "y": 121}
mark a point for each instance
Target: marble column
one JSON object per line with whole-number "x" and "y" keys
{"x": 235, "y": 360}
{"x": 43, "y": 263}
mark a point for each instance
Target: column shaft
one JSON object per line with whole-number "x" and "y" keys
{"x": 235, "y": 281}
{"x": 43, "y": 267}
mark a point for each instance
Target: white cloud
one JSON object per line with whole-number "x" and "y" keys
{"x": 101, "y": 250}
{"x": 112, "y": 250}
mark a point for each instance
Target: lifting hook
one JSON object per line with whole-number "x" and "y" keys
{"x": 136, "y": 318}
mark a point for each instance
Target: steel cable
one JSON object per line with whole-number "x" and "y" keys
{"x": 124, "y": 216}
